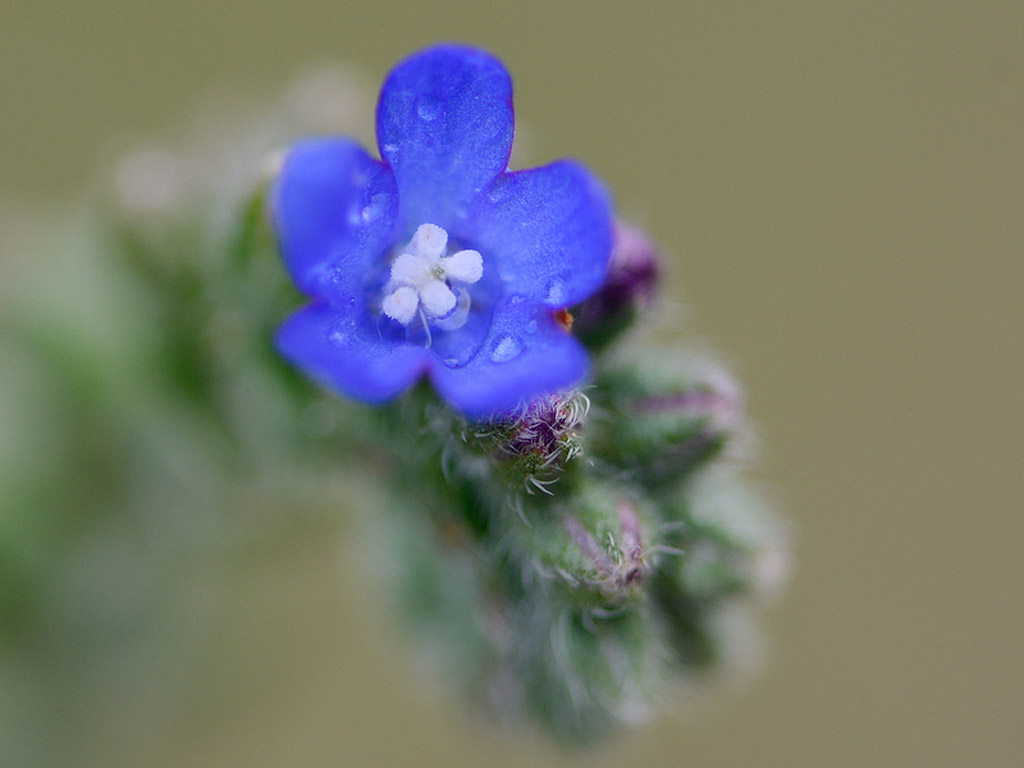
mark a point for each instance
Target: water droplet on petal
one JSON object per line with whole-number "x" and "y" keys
{"x": 372, "y": 210}
{"x": 506, "y": 348}
{"x": 428, "y": 108}
{"x": 355, "y": 216}
{"x": 339, "y": 333}
{"x": 557, "y": 292}
{"x": 335, "y": 277}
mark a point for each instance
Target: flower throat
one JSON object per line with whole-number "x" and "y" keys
{"x": 427, "y": 283}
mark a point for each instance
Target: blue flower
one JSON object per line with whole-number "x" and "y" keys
{"x": 438, "y": 261}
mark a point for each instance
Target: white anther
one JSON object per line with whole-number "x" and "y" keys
{"x": 437, "y": 298}
{"x": 410, "y": 270}
{"x": 401, "y": 305}
{"x": 430, "y": 242}
{"x": 420, "y": 275}
{"x": 464, "y": 266}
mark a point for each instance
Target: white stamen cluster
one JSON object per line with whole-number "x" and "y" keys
{"x": 421, "y": 274}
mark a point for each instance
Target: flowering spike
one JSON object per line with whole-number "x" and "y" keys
{"x": 565, "y": 561}
{"x": 570, "y": 555}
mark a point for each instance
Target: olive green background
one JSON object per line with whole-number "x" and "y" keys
{"x": 840, "y": 187}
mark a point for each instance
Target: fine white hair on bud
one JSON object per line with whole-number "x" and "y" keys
{"x": 420, "y": 276}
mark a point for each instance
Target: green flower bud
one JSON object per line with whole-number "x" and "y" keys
{"x": 598, "y": 544}
{"x": 731, "y": 550}
{"x": 660, "y": 428}
{"x": 583, "y": 674}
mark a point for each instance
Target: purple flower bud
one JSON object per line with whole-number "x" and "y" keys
{"x": 537, "y": 443}
{"x": 633, "y": 273}
{"x": 547, "y": 424}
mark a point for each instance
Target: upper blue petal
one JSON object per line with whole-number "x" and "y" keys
{"x": 339, "y": 346}
{"x": 548, "y": 231}
{"x": 526, "y": 354}
{"x": 334, "y": 208}
{"x": 444, "y": 125}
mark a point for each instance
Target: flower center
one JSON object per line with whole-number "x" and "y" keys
{"x": 427, "y": 283}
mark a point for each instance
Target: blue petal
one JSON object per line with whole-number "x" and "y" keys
{"x": 339, "y": 346}
{"x": 444, "y": 125}
{"x": 334, "y": 209}
{"x": 548, "y": 230}
{"x": 526, "y": 354}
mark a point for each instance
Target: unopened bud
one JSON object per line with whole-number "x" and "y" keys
{"x": 616, "y": 560}
{"x": 536, "y": 445}
{"x": 733, "y": 544}
{"x": 601, "y": 545}
{"x": 665, "y": 427}
{"x": 633, "y": 273}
